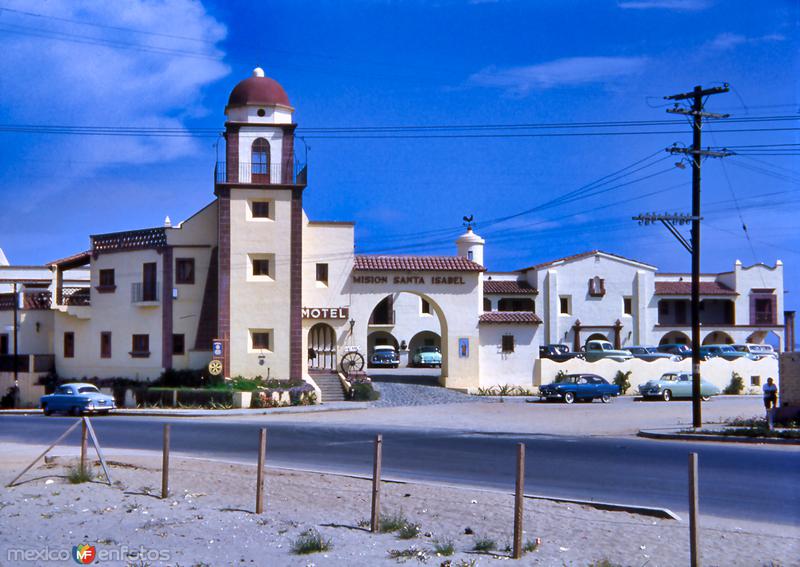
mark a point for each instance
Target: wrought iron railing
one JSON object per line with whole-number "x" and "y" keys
{"x": 141, "y": 293}
{"x": 765, "y": 318}
{"x": 279, "y": 173}
{"x": 74, "y": 296}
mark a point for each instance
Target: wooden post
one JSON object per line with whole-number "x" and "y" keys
{"x": 519, "y": 501}
{"x": 694, "y": 535}
{"x": 165, "y": 464}
{"x": 262, "y": 449}
{"x": 375, "y": 523}
{"x": 84, "y": 445}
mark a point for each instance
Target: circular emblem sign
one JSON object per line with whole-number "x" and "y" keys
{"x": 215, "y": 367}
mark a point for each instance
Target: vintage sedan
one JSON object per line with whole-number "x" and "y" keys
{"x": 595, "y": 350}
{"x": 427, "y": 356}
{"x": 77, "y": 399}
{"x": 384, "y": 355}
{"x": 652, "y": 353}
{"x": 676, "y": 385}
{"x": 583, "y": 387}
{"x": 724, "y": 351}
{"x": 558, "y": 353}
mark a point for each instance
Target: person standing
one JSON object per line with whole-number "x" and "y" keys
{"x": 770, "y": 394}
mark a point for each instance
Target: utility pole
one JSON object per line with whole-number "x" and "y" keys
{"x": 15, "y": 362}
{"x": 697, "y": 96}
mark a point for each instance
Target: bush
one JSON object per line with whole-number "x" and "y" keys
{"x": 76, "y": 475}
{"x": 408, "y": 531}
{"x": 623, "y": 380}
{"x": 364, "y": 392}
{"x": 392, "y": 522}
{"x": 736, "y": 386}
{"x": 444, "y": 548}
{"x": 310, "y": 541}
{"x": 484, "y": 544}
{"x": 186, "y": 379}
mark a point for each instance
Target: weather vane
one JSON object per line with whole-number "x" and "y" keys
{"x": 468, "y": 221}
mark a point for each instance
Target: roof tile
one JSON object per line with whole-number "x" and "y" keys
{"x": 510, "y": 317}
{"x": 417, "y": 264}
{"x": 685, "y": 288}
{"x": 509, "y": 287}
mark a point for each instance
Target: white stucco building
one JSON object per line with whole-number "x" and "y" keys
{"x": 283, "y": 296}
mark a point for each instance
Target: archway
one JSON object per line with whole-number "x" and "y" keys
{"x": 773, "y": 339}
{"x": 380, "y": 338}
{"x": 597, "y": 337}
{"x": 718, "y": 338}
{"x": 322, "y": 347}
{"x": 423, "y": 339}
{"x": 675, "y": 338}
{"x": 756, "y": 338}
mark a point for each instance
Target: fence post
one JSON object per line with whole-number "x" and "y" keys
{"x": 165, "y": 464}
{"x": 262, "y": 449}
{"x": 519, "y": 501}
{"x": 694, "y": 535}
{"x": 375, "y": 523}
{"x": 84, "y": 445}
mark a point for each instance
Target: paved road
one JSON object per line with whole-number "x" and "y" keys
{"x": 754, "y": 482}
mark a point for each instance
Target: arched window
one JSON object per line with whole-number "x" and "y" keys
{"x": 259, "y": 161}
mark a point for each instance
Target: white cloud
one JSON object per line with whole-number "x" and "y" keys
{"x": 727, "y": 40}
{"x": 570, "y": 71}
{"x": 81, "y": 82}
{"x": 677, "y": 5}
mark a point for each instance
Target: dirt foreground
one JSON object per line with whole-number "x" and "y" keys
{"x": 208, "y": 519}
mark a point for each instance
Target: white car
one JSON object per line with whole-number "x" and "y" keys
{"x": 757, "y": 350}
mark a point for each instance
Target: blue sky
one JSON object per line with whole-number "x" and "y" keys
{"x": 377, "y": 63}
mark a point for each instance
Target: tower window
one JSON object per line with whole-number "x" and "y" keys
{"x": 508, "y": 343}
{"x": 259, "y": 161}
{"x": 565, "y": 304}
{"x": 469, "y": 255}
{"x": 322, "y": 273}
{"x": 259, "y": 339}
{"x": 105, "y": 344}
{"x": 426, "y": 307}
{"x": 69, "y": 344}
{"x": 184, "y": 271}
{"x": 260, "y": 267}
{"x": 261, "y": 112}
{"x": 627, "y": 305}
{"x": 260, "y": 209}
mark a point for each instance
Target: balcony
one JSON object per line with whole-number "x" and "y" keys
{"x": 765, "y": 318}
{"x": 75, "y": 296}
{"x": 145, "y": 295}
{"x": 280, "y": 173}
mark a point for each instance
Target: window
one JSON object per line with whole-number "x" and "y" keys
{"x": 260, "y": 266}
{"x": 565, "y": 304}
{"x": 425, "y": 307}
{"x": 755, "y": 380}
{"x": 597, "y": 287}
{"x": 178, "y": 344}
{"x": 508, "y": 343}
{"x": 663, "y": 307}
{"x": 487, "y": 304}
{"x": 69, "y": 345}
{"x": 516, "y": 304}
{"x": 259, "y": 339}
{"x": 105, "y": 344}
{"x": 627, "y": 305}
{"x": 322, "y": 273}
{"x": 149, "y": 282}
{"x": 259, "y": 161}
{"x": 4, "y": 344}
{"x": 260, "y": 209}
{"x": 469, "y": 255}
{"x": 140, "y": 346}
{"x": 107, "y": 280}
{"x": 184, "y": 271}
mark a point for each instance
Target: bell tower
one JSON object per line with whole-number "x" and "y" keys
{"x": 259, "y": 188}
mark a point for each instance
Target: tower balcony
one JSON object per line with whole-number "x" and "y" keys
{"x": 279, "y": 173}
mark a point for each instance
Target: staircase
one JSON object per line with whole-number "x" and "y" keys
{"x": 330, "y": 386}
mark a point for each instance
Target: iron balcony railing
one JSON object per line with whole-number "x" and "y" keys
{"x": 75, "y": 296}
{"x": 141, "y": 293}
{"x": 765, "y": 318}
{"x": 279, "y": 173}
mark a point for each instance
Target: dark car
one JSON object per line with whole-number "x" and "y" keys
{"x": 681, "y": 350}
{"x": 559, "y": 353}
{"x": 585, "y": 387}
{"x": 384, "y": 356}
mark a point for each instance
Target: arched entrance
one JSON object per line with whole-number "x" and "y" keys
{"x": 718, "y": 338}
{"x": 597, "y": 337}
{"x": 322, "y": 347}
{"x": 675, "y": 338}
{"x": 380, "y": 338}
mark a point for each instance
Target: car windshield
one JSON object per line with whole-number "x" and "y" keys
{"x": 638, "y": 350}
{"x": 727, "y": 349}
{"x": 651, "y": 349}
{"x": 88, "y": 390}
{"x": 429, "y": 349}
{"x": 669, "y": 377}
{"x": 741, "y": 348}
{"x": 567, "y": 378}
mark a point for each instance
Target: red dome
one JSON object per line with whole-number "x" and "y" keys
{"x": 258, "y": 90}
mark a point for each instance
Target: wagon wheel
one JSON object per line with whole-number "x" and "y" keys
{"x": 215, "y": 367}
{"x": 352, "y": 362}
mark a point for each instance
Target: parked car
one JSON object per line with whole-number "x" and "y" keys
{"x": 676, "y": 385}
{"x": 652, "y": 353}
{"x": 384, "y": 355}
{"x": 724, "y": 351}
{"x": 757, "y": 350}
{"x": 427, "y": 356}
{"x": 684, "y": 351}
{"x": 558, "y": 353}
{"x": 596, "y": 349}
{"x": 585, "y": 387}
{"x": 77, "y": 399}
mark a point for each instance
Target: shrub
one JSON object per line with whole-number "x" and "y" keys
{"x": 560, "y": 375}
{"x": 736, "y": 386}
{"x": 392, "y": 522}
{"x": 531, "y": 545}
{"x": 186, "y": 379}
{"x": 444, "y": 548}
{"x": 77, "y": 475}
{"x": 484, "y": 544}
{"x": 403, "y": 555}
{"x": 364, "y": 392}
{"x": 408, "y": 531}
{"x": 310, "y": 541}
{"x": 623, "y": 380}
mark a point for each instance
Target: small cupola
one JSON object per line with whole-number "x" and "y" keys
{"x": 470, "y": 246}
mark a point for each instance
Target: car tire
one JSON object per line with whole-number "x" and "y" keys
{"x": 74, "y": 410}
{"x": 705, "y": 398}
{"x": 569, "y": 398}
{"x": 605, "y": 398}
{"x": 46, "y": 411}
{"x": 666, "y": 395}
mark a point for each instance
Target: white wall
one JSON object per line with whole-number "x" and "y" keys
{"x": 515, "y": 368}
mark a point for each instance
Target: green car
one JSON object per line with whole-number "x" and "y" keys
{"x": 427, "y": 356}
{"x": 676, "y": 385}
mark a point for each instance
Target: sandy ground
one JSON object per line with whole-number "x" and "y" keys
{"x": 624, "y": 416}
{"x": 208, "y": 520}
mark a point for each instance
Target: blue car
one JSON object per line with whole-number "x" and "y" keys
{"x": 77, "y": 399}
{"x": 384, "y": 355}
{"x": 584, "y": 387}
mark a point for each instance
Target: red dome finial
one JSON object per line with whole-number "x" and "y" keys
{"x": 258, "y": 90}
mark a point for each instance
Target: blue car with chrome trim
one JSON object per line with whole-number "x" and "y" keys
{"x": 77, "y": 399}
{"x": 581, "y": 387}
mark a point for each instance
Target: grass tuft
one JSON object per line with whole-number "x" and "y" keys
{"x": 392, "y": 522}
{"x": 408, "y": 531}
{"x": 531, "y": 545}
{"x": 77, "y": 475}
{"x": 484, "y": 544}
{"x": 444, "y": 548}
{"x": 310, "y": 541}
{"x": 412, "y": 552}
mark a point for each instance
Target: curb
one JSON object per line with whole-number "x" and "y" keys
{"x": 676, "y": 436}
{"x": 190, "y": 413}
{"x": 665, "y": 513}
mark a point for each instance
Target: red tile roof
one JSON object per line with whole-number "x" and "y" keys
{"x": 580, "y": 256}
{"x": 74, "y": 261}
{"x": 510, "y": 318}
{"x": 417, "y": 264}
{"x": 509, "y": 287}
{"x": 685, "y": 288}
